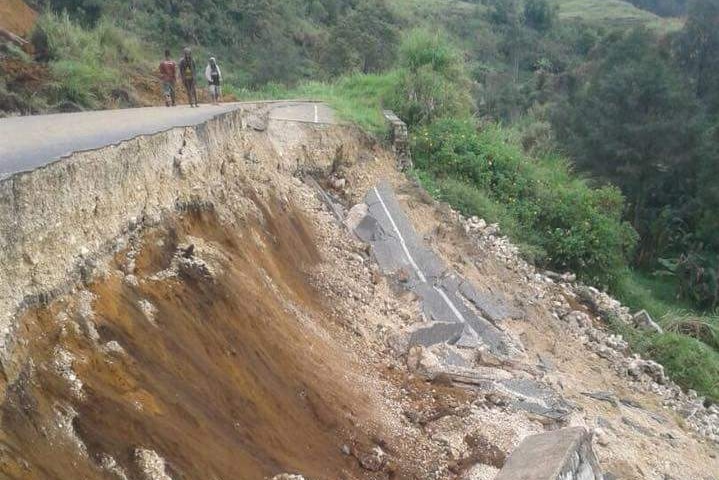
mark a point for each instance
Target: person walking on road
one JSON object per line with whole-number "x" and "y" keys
{"x": 214, "y": 77}
{"x": 188, "y": 71}
{"x": 168, "y": 75}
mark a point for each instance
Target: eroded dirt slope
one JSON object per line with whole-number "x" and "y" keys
{"x": 17, "y": 17}
{"x": 209, "y": 357}
{"x": 239, "y": 331}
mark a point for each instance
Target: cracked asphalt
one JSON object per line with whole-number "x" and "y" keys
{"x": 29, "y": 142}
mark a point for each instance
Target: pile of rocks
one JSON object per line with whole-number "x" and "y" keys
{"x": 558, "y": 289}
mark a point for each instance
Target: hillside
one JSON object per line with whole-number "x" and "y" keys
{"x": 562, "y": 190}
{"x": 106, "y": 57}
{"x": 17, "y": 17}
{"x": 614, "y": 13}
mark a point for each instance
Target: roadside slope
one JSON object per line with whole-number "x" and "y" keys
{"x": 187, "y": 306}
{"x": 17, "y": 17}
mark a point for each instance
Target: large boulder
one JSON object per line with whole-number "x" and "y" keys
{"x": 560, "y": 455}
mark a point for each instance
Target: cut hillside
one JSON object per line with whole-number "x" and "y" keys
{"x": 17, "y": 17}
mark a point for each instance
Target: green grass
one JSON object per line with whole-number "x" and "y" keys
{"x": 655, "y": 294}
{"x": 355, "y": 98}
{"x": 689, "y": 350}
{"x": 427, "y": 9}
{"x": 88, "y": 64}
{"x": 658, "y": 296}
{"x": 686, "y": 360}
{"x": 614, "y": 13}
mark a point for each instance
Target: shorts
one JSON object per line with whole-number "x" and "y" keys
{"x": 214, "y": 90}
{"x": 168, "y": 88}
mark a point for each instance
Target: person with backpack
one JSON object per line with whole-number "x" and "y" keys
{"x": 188, "y": 71}
{"x": 168, "y": 75}
{"x": 214, "y": 77}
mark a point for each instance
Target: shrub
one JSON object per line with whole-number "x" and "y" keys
{"x": 577, "y": 227}
{"x": 432, "y": 82}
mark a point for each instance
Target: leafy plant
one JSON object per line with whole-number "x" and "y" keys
{"x": 432, "y": 83}
{"x": 577, "y": 227}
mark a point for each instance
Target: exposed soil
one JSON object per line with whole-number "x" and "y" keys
{"x": 17, "y": 17}
{"x": 227, "y": 381}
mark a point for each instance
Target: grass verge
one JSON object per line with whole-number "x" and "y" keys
{"x": 356, "y": 98}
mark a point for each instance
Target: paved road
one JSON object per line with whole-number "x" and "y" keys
{"x": 30, "y": 142}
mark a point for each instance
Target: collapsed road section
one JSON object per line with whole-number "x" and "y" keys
{"x": 182, "y": 306}
{"x": 455, "y": 312}
{"x": 452, "y": 305}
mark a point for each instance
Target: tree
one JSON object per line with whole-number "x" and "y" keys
{"x": 364, "y": 40}
{"x": 504, "y": 13}
{"x": 88, "y": 12}
{"x": 540, "y": 14}
{"x": 698, "y": 47}
{"x": 634, "y": 124}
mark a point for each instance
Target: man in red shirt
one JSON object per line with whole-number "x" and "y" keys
{"x": 168, "y": 74}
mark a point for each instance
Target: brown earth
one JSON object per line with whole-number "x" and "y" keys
{"x": 228, "y": 383}
{"x": 17, "y": 17}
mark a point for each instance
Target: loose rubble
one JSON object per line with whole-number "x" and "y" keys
{"x": 559, "y": 288}
{"x": 151, "y": 465}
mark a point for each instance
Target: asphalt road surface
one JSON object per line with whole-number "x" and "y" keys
{"x": 33, "y": 141}
{"x": 445, "y": 296}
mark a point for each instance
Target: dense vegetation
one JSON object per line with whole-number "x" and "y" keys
{"x": 588, "y": 130}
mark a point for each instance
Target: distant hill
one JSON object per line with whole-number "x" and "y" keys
{"x": 615, "y": 13}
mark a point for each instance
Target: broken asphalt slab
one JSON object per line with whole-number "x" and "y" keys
{"x": 560, "y": 455}
{"x": 448, "y": 301}
{"x": 455, "y": 311}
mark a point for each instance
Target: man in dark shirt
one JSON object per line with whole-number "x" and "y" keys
{"x": 188, "y": 73}
{"x": 168, "y": 74}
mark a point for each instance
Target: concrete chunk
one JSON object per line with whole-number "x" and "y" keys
{"x": 642, "y": 319}
{"x": 492, "y": 306}
{"x": 560, "y": 455}
{"x": 435, "y": 333}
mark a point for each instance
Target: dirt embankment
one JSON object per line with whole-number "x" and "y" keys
{"x": 219, "y": 370}
{"x": 190, "y": 309}
{"x": 17, "y": 17}
{"x": 173, "y": 323}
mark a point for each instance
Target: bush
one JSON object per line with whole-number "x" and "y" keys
{"x": 575, "y": 227}
{"x": 88, "y": 64}
{"x": 432, "y": 82}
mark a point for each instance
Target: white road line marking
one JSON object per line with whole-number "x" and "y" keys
{"x": 417, "y": 270}
{"x": 451, "y": 306}
{"x": 401, "y": 238}
{"x": 317, "y": 118}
